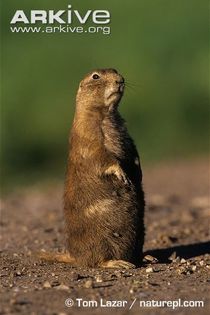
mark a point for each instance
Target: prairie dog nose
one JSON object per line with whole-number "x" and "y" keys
{"x": 121, "y": 83}
{"x": 120, "y": 80}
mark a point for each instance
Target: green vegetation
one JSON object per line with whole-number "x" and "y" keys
{"x": 162, "y": 49}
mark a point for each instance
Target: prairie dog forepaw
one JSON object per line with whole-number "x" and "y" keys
{"x": 118, "y": 264}
{"x": 118, "y": 172}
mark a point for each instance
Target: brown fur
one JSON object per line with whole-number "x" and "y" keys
{"x": 103, "y": 198}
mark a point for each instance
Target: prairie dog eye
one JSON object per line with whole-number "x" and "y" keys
{"x": 95, "y": 76}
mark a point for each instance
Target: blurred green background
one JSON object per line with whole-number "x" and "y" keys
{"x": 162, "y": 49}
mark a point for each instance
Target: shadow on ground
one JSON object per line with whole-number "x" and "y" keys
{"x": 184, "y": 251}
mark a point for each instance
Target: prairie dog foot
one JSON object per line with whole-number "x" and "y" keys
{"x": 119, "y": 264}
{"x": 59, "y": 257}
{"x": 116, "y": 170}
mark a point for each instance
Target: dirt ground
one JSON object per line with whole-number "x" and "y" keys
{"x": 176, "y": 264}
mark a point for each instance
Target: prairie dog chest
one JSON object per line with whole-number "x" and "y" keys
{"x": 114, "y": 133}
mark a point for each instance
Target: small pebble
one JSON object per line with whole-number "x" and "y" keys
{"x": 98, "y": 278}
{"x": 46, "y": 285}
{"x": 182, "y": 261}
{"x": 62, "y": 287}
{"x": 88, "y": 284}
{"x": 150, "y": 258}
{"x": 148, "y": 270}
{"x": 172, "y": 257}
{"x": 181, "y": 270}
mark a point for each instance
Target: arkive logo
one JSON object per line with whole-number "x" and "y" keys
{"x": 64, "y": 18}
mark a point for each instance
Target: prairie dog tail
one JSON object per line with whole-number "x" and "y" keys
{"x": 59, "y": 257}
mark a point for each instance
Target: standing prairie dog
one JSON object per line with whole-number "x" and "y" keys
{"x": 103, "y": 198}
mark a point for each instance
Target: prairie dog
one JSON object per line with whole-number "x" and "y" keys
{"x": 103, "y": 198}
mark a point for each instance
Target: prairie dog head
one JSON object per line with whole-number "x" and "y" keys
{"x": 100, "y": 88}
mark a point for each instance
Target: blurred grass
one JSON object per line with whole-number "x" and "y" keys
{"x": 162, "y": 49}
